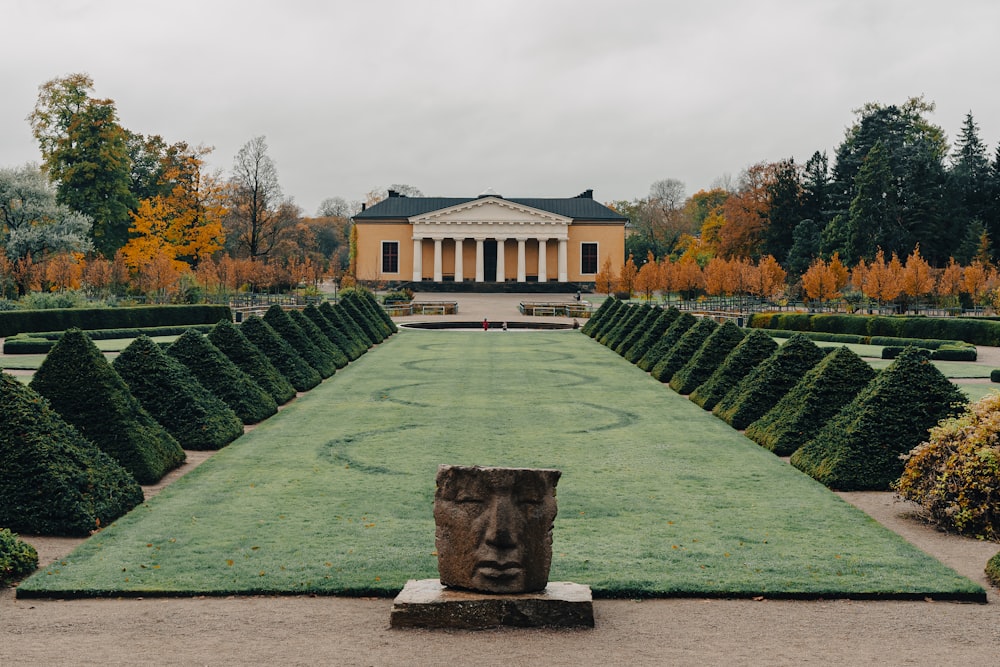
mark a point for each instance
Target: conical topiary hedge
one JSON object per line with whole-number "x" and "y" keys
{"x": 686, "y": 348}
{"x": 248, "y": 358}
{"x": 617, "y": 309}
{"x": 596, "y": 317}
{"x": 53, "y": 481}
{"x": 379, "y": 311}
{"x": 166, "y": 388}
{"x": 629, "y": 318}
{"x": 343, "y": 323}
{"x": 87, "y": 392}
{"x": 17, "y": 557}
{"x": 319, "y": 339}
{"x": 761, "y": 390}
{"x": 286, "y": 327}
{"x": 220, "y": 376}
{"x": 349, "y": 303}
{"x": 289, "y": 362}
{"x": 650, "y": 313}
{"x": 659, "y": 325}
{"x": 343, "y": 343}
{"x": 752, "y": 350}
{"x": 812, "y": 402}
{"x": 859, "y": 448}
{"x": 709, "y": 356}
{"x": 666, "y": 342}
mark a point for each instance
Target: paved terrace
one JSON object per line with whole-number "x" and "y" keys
{"x": 494, "y": 307}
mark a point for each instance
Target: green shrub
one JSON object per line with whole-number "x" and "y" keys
{"x": 812, "y": 402}
{"x": 221, "y": 376}
{"x": 83, "y": 387}
{"x": 993, "y": 570}
{"x": 381, "y": 312}
{"x": 372, "y": 331}
{"x": 686, "y": 347}
{"x": 995, "y": 375}
{"x": 398, "y": 296}
{"x": 630, "y": 317}
{"x": 860, "y": 447}
{"x": 286, "y": 327}
{"x": 954, "y": 476}
{"x": 666, "y": 342}
{"x": 597, "y": 316}
{"x": 632, "y": 336}
{"x": 53, "y": 481}
{"x": 369, "y": 311}
{"x": 955, "y": 352}
{"x": 617, "y": 309}
{"x": 248, "y": 358}
{"x": 822, "y": 337}
{"x": 20, "y": 321}
{"x": 761, "y": 390}
{"x": 342, "y": 322}
{"x": 662, "y": 322}
{"x": 301, "y": 375}
{"x": 752, "y": 351}
{"x": 977, "y": 331}
{"x": 319, "y": 339}
{"x": 17, "y": 558}
{"x": 709, "y": 357}
{"x": 343, "y": 343}
{"x": 167, "y": 389}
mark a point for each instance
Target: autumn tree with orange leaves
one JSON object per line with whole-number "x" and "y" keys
{"x": 649, "y": 279}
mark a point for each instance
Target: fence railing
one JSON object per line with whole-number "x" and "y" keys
{"x": 547, "y": 309}
{"x": 422, "y": 308}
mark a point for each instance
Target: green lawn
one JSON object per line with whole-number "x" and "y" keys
{"x": 657, "y": 498}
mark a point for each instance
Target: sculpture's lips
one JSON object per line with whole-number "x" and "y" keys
{"x": 495, "y": 570}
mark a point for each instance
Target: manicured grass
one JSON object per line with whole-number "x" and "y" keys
{"x": 951, "y": 369}
{"x": 658, "y": 497}
{"x": 978, "y": 390}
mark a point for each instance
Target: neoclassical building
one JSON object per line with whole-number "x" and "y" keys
{"x": 487, "y": 239}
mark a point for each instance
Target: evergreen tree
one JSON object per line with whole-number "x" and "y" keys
{"x": 248, "y": 358}
{"x": 166, "y": 388}
{"x": 300, "y": 374}
{"x": 86, "y": 391}
{"x": 709, "y": 357}
{"x": 220, "y": 376}
{"x": 970, "y": 179}
{"x": 806, "y": 243}
{"x": 816, "y": 190}
{"x": 752, "y": 351}
{"x": 859, "y": 448}
{"x": 812, "y": 402}
{"x": 286, "y": 327}
{"x": 53, "y": 481}
{"x": 785, "y": 193}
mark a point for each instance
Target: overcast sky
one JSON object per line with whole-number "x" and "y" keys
{"x": 533, "y": 98}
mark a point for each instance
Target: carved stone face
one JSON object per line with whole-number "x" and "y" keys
{"x": 494, "y": 527}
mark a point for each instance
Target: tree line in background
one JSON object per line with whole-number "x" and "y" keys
{"x": 115, "y": 211}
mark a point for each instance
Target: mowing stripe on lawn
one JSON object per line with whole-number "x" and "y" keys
{"x": 658, "y": 498}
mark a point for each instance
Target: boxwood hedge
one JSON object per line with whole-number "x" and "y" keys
{"x": 83, "y": 387}
{"x": 859, "y": 448}
{"x": 975, "y": 330}
{"x": 610, "y": 319}
{"x": 248, "y": 358}
{"x": 166, "y": 388}
{"x": 630, "y": 316}
{"x": 60, "y": 319}
{"x": 812, "y": 402}
{"x": 660, "y": 324}
{"x": 17, "y": 558}
{"x": 639, "y": 330}
{"x": 290, "y": 363}
{"x": 345, "y": 344}
{"x": 339, "y": 318}
{"x": 219, "y": 375}
{"x": 350, "y": 302}
{"x": 751, "y": 351}
{"x": 709, "y": 356}
{"x": 666, "y": 342}
{"x": 319, "y": 339}
{"x": 53, "y": 481}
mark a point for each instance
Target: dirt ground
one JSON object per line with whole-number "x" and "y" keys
{"x": 337, "y": 631}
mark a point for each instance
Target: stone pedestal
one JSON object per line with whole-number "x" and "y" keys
{"x": 428, "y": 604}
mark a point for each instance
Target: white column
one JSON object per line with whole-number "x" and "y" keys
{"x": 437, "y": 261}
{"x": 418, "y": 260}
{"x": 458, "y": 261}
{"x": 480, "y": 271}
{"x": 501, "y": 269}
{"x": 542, "y": 276}
{"x": 563, "y": 262}
{"x": 521, "y": 261}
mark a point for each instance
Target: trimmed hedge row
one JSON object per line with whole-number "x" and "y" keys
{"x": 248, "y": 358}
{"x": 666, "y": 342}
{"x": 709, "y": 357}
{"x": 949, "y": 352}
{"x": 59, "y": 319}
{"x": 977, "y": 331}
{"x": 686, "y": 347}
{"x": 42, "y": 342}
{"x": 751, "y": 352}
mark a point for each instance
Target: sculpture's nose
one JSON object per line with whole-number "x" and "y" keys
{"x": 501, "y": 531}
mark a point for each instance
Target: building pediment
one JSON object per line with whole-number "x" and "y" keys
{"x": 491, "y": 211}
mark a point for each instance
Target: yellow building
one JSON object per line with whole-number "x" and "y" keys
{"x": 487, "y": 239}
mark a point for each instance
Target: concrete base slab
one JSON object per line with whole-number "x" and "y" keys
{"x": 425, "y": 603}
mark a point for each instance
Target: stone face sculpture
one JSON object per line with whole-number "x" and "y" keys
{"x": 494, "y": 527}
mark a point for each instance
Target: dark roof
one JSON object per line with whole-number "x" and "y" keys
{"x": 578, "y": 208}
